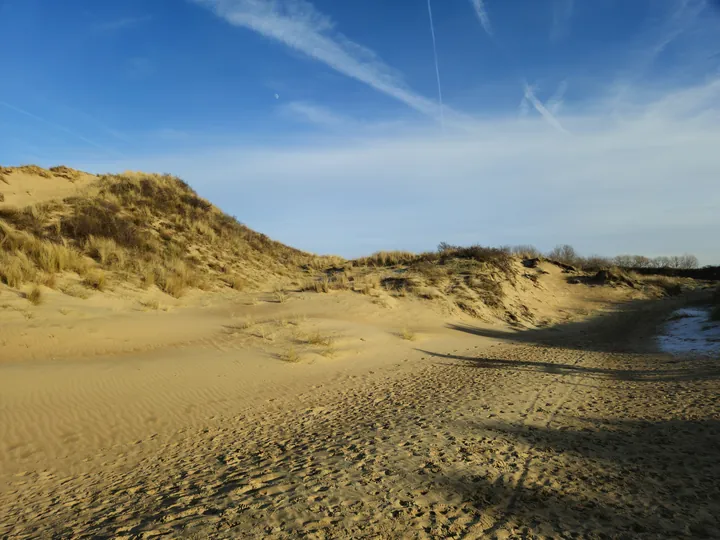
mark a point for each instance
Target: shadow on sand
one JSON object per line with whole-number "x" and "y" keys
{"x": 619, "y": 479}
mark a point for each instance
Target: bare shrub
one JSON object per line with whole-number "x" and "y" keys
{"x": 564, "y": 253}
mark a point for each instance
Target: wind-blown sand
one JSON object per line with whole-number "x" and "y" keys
{"x": 581, "y": 429}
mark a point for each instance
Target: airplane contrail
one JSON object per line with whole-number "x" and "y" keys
{"x": 58, "y": 127}
{"x": 437, "y": 65}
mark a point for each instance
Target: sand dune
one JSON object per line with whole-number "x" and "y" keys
{"x": 468, "y": 430}
{"x": 217, "y": 384}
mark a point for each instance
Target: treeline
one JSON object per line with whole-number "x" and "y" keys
{"x": 566, "y": 254}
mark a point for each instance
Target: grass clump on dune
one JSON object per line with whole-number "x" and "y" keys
{"x": 35, "y": 296}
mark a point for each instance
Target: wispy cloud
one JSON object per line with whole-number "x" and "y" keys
{"x": 627, "y": 167}
{"x": 679, "y": 20}
{"x": 653, "y": 43}
{"x": 330, "y": 120}
{"x": 562, "y": 14}
{"x": 298, "y": 25}
{"x": 540, "y": 107}
{"x": 315, "y": 114}
{"x": 122, "y": 23}
{"x": 58, "y": 127}
{"x": 555, "y": 103}
{"x": 482, "y": 14}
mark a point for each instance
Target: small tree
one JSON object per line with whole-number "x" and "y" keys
{"x": 564, "y": 253}
{"x": 623, "y": 261}
{"x": 689, "y": 261}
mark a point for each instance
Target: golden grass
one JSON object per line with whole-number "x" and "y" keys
{"x": 173, "y": 285}
{"x": 105, "y": 251}
{"x": 148, "y": 228}
{"x": 13, "y": 269}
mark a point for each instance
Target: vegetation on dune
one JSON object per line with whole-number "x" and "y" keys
{"x": 145, "y": 228}
{"x": 154, "y": 230}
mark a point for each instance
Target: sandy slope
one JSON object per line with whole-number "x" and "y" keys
{"x": 468, "y": 431}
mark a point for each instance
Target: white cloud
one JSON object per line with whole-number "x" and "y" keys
{"x": 483, "y": 16}
{"x": 645, "y": 180}
{"x": 298, "y": 25}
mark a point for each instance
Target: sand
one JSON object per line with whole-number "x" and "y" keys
{"x": 117, "y": 421}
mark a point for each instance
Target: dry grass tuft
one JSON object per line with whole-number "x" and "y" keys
{"x": 151, "y": 304}
{"x": 236, "y": 282}
{"x": 35, "y": 296}
{"x": 173, "y": 285}
{"x": 76, "y": 291}
{"x": 670, "y": 286}
{"x": 249, "y": 322}
{"x": 290, "y": 355}
{"x": 408, "y": 334}
{"x": 14, "y": 269}
{"x": 105, "y": 251}
{"x": 49, "y": 280}
{"x": 96, "y": 279}
{"x": 316, "y": 338}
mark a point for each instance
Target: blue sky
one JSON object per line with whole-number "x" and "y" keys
{"x": 595, "y": 123}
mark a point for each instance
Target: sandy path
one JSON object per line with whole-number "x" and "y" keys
{"x": 583, "y": 432}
